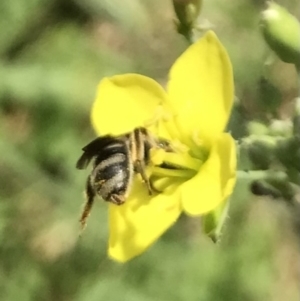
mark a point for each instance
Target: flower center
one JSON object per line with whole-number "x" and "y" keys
{"x": 171, "y": 169}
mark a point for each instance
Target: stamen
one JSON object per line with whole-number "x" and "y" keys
{"x": 182, "y": 161}
{"x": 177, "y": 160}
{"x": 170, "y": 169}
{"x": 157, "y": 156}
{"x": 162, "y": 184}
{"x": 178, "y": 173}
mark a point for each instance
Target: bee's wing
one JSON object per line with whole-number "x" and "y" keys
{"x": 91, "y": 150}
{"x": 84, "y": 161}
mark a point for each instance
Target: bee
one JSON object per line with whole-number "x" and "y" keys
{"x": 115, "y": 161}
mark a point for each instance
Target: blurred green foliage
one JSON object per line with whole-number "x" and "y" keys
{"x": 52, "y": 55}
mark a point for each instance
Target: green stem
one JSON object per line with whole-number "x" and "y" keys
{"x": 260, "y": 174}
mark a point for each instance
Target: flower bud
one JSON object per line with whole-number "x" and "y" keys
{"x": 261, "y": 152}
{"x": 281, "y": 128}
{"x": 288, "y": 152}
{"x": 257, "y": 128}
{"x": 263, "y": 188}
{"x": 273, "y": 187}
{"x": 281, "y": 31}
{"x": 296, "y": 119}
{"x": 187, "y": 12}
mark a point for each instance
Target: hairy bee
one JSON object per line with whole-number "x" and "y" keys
{"x": 115, "y": 160}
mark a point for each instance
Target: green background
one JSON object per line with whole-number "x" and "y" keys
{"x": 53, "y": 53}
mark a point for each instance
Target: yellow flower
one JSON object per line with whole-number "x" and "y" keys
{"x": 192, "y": 114}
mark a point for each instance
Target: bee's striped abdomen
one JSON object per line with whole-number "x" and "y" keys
{"x": 116, "y": 159}
{"x": 112, "y": 172}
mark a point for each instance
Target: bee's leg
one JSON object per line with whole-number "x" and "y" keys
{"x": 90, "y": 194}
{"x": 139, "y": 167}
{"x": 117, "y": 199}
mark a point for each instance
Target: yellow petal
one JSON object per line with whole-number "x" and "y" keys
{"x": 135, "y": 225}
{"x": 215, "y": 180}
{"x": 201, "y": 87}
{"x": 124, "y": 102}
